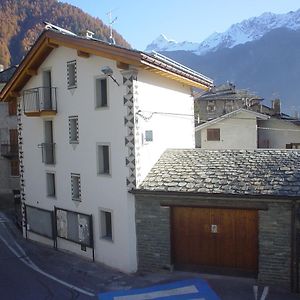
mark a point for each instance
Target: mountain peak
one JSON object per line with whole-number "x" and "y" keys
{"x": 240, "y": 33}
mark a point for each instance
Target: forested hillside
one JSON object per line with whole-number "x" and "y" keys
{"x": 21, "y": 22}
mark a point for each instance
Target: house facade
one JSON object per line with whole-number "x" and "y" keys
{"x": 223, "y": 99}
{"x": 9, "y": 165}
{"x": 234, "y": 130}
{"x": 278, "y": 133}
{"x": 222, "y": 211}
{"x": 93, "y": 120}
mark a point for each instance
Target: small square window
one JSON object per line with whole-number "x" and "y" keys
{"x": 149, "y": 136}
{"x": 76, "y": 187}
{"x": 73, "y": 130}
{"x": 103, "y": 153}
{"x": 101, "y": 92}
{"x": 50, "y": 177}
{"x": 106, "y": 220}
{"x": 213, "y": 134}
{"x": 211, "y": 106}
{"x": 72, "y": 74}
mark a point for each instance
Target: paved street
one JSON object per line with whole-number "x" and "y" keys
{"x": 33, "y": 271}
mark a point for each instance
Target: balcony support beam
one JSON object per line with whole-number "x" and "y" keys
{"x": 83, "y": 54}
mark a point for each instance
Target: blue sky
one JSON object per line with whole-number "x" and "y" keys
{"x": 141, "y": 21}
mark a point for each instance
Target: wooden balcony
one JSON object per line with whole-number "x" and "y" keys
{"x": 40, "y": 101}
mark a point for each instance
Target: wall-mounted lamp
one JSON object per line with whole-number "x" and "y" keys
{"x": 107, "y": 71}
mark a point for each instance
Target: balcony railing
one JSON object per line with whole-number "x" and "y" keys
{"x": 40, "y": 101}
{"x": 48, "y": 153}
{"x": 9, "y": 151}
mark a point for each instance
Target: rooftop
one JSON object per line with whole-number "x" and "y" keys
{"x": 235, "y": 172}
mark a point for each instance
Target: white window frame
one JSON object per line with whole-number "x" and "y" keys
{"x": 78, "y": 180}
{"x": 50, "y": 195}
{"x": 99, "y": 173}
{"x": 97, "y": 106}
{"x": 72, "y": 128}
{"x": 102, "y": 224}
{"x": 74, "y": 84}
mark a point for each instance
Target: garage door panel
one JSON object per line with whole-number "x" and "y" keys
{"x": 221, "y": 238}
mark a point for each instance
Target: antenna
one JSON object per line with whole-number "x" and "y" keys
{"x": 111, "y": 22}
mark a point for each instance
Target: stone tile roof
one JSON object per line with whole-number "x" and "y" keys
{"x": 251, "y": 172}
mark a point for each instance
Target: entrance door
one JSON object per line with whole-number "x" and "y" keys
{"x": 218, "y": 240}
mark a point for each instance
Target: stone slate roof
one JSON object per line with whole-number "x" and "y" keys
{"x": 7, "y": 74}
{"x": 239, "y": 172}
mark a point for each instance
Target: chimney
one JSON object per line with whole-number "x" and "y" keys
{"x": 1, "y": 68}
{"x": 276, "y": 106}
{"x": 89, "y": 34}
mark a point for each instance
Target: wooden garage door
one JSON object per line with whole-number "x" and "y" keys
{"x": 215, "y": 239}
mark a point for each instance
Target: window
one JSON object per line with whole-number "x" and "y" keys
{"x": 106, "y": 231}
{"x": 12, "y": 108}
{"x": 101, "y": 92}
{"x": 211, "y": 106}
{"x": 50, "y": 180}
{"x": 76, "y": 187}
{"x": 72, "y": 74}
{"x": 213, "y": 134}
{"x": 103, "y": 159}
{"x": 73, "y": 130}
{"x": 14, "y": 167}
{"x": 148, "y": 136}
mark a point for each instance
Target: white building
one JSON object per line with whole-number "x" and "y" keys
{"x": 95, "y": 118}
{"x": 234, "y": 130}
{"x": 9, "y": 164}
{"x": 278, "y": 133}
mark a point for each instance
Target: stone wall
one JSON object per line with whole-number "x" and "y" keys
{"x": 153, "y": 233}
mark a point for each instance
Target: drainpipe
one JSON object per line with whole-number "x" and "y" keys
{"x": 297, "y": 249}
{"x": 294, "y": 284}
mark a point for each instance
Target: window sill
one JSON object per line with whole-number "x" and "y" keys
{"x": 51, "y": 197}
{"x": 76, "y": 200}
{"x": 102, "y": 107}
{"x": 72, "y": 87}
{"x": 73, "y": 142}
{"x": 107, "y": 239}
{"x": 108, "y": 175}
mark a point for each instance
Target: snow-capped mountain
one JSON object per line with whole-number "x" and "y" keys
{"x": 162, "y": 43}
{"x": 246, "y": 31}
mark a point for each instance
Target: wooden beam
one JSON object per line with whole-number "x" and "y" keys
{"x": 83, "y": 54}
{"x": 122, "y": 65}
{"x": 52, "y": 44}
{"x": 15, "y": 94}
{"x": 31, "y": 72}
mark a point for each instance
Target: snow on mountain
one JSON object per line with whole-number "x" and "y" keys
{"x": 162, "y": 43}
{"x": 239, "y": 33}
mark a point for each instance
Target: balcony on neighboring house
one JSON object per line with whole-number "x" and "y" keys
{"x": 48, "y": 153}
{"x": 40, "y": 101}
{"x": 10, "y": 151}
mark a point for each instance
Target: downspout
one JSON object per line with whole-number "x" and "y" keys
{"x": 293, "y": 250}
{"x": 297, "y": 249}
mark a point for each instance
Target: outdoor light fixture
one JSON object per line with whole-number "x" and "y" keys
{"x": 107, "y": 71}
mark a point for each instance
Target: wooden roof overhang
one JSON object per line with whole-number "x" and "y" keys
{"x": 50, "y": 40}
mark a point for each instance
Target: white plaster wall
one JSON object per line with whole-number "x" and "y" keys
{"x": 95, "y": 125}
{"x": 169, "y": 114}
{"x": 238, "y": 132}
{"x": 277, "y": 133}
{"x": 101, "y": 126}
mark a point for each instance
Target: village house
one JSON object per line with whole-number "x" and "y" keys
{"x": 234, "y": 130}
{"x": 93, "y": 118}
{"x": 9, "y": 161}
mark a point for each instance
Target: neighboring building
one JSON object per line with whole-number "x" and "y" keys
{"x": 278, "y": 133}
{"x": 221, "y": 100}
{"x": 226, "y": 211}
{"x": 234, "y": 130}
{"x": 93, "y": 120}
{"x": 9, "y": 162}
